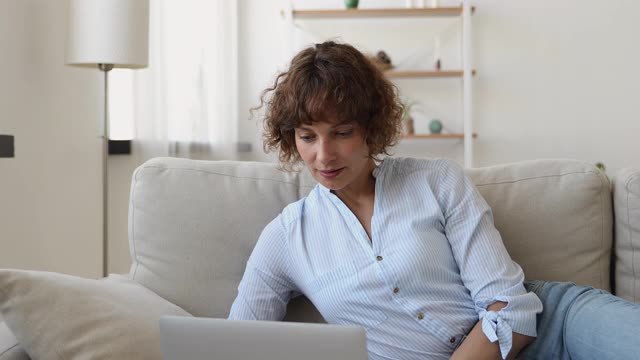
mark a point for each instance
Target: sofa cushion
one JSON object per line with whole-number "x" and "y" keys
{"x": 9, "y": 347}
{"x": 626, "y": 194}
{"x": 56, "y": 316}
{"x": 554, "y": 216}
{"x": 193, "y": 224}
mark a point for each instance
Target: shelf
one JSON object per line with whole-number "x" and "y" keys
{"x": 432, "y": 73}
{"x": 436, "y": 136}
{"x": 373, "y": 13}
{"x": 302, "y": 19}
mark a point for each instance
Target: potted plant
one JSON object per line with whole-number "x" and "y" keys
{"x": 408, "y": 106}
{"x": 351, "y": 4}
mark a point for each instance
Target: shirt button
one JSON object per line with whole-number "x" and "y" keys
{"x": 420, "y": 316}
{"x": 395, "y": 290}
{"x": 452, "y": 339}
{"x": 379, "y": 258}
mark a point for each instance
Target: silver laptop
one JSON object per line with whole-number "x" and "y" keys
{"x": 190, "y": 338}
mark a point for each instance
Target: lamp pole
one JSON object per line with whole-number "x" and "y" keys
{"x": 105, "y": 68}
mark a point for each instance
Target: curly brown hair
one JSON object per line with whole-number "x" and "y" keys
{"x": 336, "y": 80}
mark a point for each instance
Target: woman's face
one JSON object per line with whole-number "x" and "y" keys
{"x": 336, "y": 154}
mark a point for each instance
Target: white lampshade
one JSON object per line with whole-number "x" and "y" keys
{"x": 108, "y": 32}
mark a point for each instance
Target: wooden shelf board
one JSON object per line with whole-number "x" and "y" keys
{"x": 437, "y": 136}
{"x": 369, "y": 13}
{"x": 421, "y": 73}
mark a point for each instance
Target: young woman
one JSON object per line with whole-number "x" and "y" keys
{"x": 405, "y": 248}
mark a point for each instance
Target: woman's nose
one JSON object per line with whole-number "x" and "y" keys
{"x": 326, "y": 152}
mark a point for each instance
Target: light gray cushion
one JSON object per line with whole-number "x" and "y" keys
{"x": 56, "y": 316}
{"x": 555, "y": 218}
{"x": 9, "y": 347}
{"x": 626, "y": 193}
{"x": 193, "y": 224}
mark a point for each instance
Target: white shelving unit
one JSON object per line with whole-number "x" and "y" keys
{"x": 465, "y": 11}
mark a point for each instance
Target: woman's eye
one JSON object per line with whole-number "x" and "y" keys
{"x": 345, "y": 133}
{"x": 306, "y": 138}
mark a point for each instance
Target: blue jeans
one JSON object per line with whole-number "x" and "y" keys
{"x": 583, "y": 323}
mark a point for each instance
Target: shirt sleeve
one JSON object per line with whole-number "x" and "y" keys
{"x": 266, "y": 287}
{"x": 485, "y": 266}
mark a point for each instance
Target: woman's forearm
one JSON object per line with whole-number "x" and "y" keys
{"x": 477, "y": 346}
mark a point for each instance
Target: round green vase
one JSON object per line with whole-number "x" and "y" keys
{"x": 435, "y": 126}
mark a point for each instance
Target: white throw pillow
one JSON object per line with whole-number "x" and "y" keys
{"x": 56, "y": 316}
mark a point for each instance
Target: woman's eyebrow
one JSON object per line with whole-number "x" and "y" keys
{"x": 343, "y": 125}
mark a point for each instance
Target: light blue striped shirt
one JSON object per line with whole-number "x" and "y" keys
{"x": 434, "y": 263}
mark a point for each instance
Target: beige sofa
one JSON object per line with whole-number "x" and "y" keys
{"x": 192, "y": 225}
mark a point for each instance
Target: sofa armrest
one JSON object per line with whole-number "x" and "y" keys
{"x": 9, "y": 347}
{"x": 626, "y": 200}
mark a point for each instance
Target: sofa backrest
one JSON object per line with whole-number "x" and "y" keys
{"x": 555, "y": 217}
{"x": 193, "y": 224}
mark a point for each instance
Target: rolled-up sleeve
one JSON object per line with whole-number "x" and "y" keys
{"x": 487, "y": 270}
{"x": 266, "y": 287}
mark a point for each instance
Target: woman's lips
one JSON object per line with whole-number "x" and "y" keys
{"x": 330, "y": 174}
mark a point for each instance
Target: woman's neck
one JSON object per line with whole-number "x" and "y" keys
{"x": 360, "y": 191}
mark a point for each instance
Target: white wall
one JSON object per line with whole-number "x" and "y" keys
{"x": 558, "y": 79}
{"x": 50, "y": 193}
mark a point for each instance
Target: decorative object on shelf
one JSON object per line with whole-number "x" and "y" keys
{"x": 382, "y": 61}
{"x": 351, "y": 4}
{"x": 407, "y": 126}
{"x": 600, "y": 165}
{"x": 435, "y": 126}
{"x": 436, "y": 53}
{"x": 407, "y": 120}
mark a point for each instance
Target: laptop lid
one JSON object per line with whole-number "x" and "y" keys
{"x": 191, "y": 338}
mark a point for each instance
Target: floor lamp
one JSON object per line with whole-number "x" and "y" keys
{"x": 107, "y": 34}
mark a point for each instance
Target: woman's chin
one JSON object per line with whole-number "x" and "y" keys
{"x": 331, "y": 184}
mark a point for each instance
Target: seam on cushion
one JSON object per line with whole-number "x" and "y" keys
{"x": 7, "y": 350}
{"x": 602, "y": 238}
{"x": 133, "y": 229}
{"x": 4, "y": 294}
{"x": 631, "y": 178}
{"x": 633, "y": 250}
{"x": 221, "y": 174}
{"x": 536, "y": 177}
